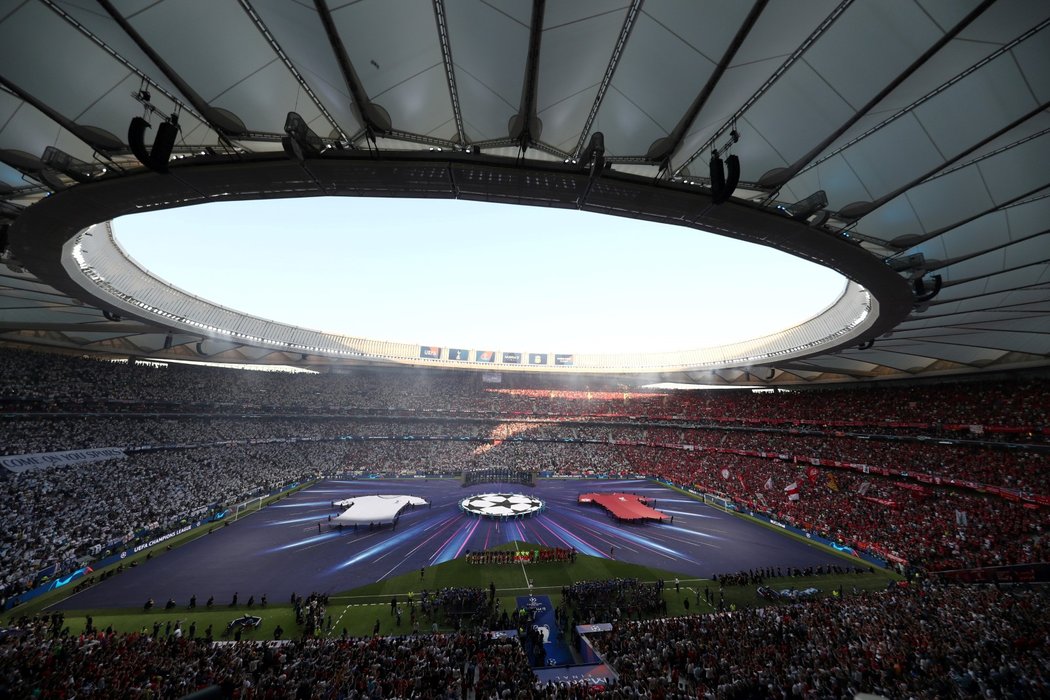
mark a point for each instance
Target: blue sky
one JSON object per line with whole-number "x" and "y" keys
{"x": 478, "y": 275}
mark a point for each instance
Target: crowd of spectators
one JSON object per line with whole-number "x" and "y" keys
{"x": 756, "y": 577}
{"x": 33, "y": 664}
{"x": 310, "y": 613}
{"x": 257, "y": 431}
{"x": 908, "y": 642}
{"x": 587, "y": 602}
{"x": 1016, "y": 469}
{"x": 54, "y": 518}
{"x": 933, "y": 528}
{"x": 457, "y": 605}
{"x": 917, "y": 641}
{"x": 63, "y": 380}
{"x": 540, "y": 555}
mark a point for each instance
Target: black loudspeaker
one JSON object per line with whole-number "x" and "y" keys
{"x": 724, "y": 178}
{"x": 162, "y": 146}
{"x": 137, "y": 140}
{"x": 718, "y": 178}
{"x": 732, "y": 175}
{"x": 157, "y": 158}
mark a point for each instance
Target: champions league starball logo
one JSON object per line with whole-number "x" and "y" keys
{"x": 500, "y": 505}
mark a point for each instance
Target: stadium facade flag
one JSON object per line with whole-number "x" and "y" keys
{"x": 458, "y": 354}
{"x": 491, "y": 378}
{"x": 563, "y": 360}
{"x": 537, "y": 358}
{"x": 792, "y": 491}
{"x": 512, "y": 358}
{"x": 430, "y": 352}
{"x": 485, "y": 355}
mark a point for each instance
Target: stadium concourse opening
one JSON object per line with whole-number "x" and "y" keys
{"x": 626, "y": 507}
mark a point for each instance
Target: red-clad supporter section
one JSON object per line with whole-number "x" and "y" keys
{"x": 624, "y": 506}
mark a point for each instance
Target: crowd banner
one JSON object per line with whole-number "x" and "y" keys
{"x": 40, "y": 460}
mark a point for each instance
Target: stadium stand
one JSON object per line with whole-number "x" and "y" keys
{"x": 914, "y": 641}
{"x": 254, "y": 432}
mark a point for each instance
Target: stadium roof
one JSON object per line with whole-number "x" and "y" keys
{"x": 923, "y": 125}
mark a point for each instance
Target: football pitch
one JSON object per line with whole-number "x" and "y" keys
{"x": 292, "y": 547}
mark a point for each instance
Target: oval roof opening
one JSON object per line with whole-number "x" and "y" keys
{"x": 481, "y": 275}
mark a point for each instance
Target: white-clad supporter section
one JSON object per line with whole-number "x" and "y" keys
{"x": 42, "y": 460}
{"x": 361, "y": 510}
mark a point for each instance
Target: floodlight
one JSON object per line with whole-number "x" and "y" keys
{"x": 301, "y": 142}
{"x": 805, "y": 208}
{"x": 594, "y": 154}
{"x": 79, "y": 170}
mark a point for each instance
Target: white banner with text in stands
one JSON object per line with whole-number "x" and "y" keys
{"x": 23, "y": 463}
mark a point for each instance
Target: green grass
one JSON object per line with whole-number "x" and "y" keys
{"x": 512, "y": 578}
{"x": 358, "y": 609}
{"x": 135, "y": 620}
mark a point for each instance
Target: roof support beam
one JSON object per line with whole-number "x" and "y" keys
{"x": 946, "y": 340}
{"x": 222, "y": 124}
{"x": 910, "y": 109}
{"x": 912, "y": 242}
{"x": 783, "y": 68}
{"x": 1021, "y": 288}
{"x": 610, "y": 69}
{"x": 662, "y": 150}
{"x": 789, "y": 172}
{"x": 984, "y": 251}
{"x": 272, "y": 41}
{"x": 85, "y": 135}
{"x": 440, "y": 17}
{"x": 1010, "y": 309}
{"x": 525, "y": 126}
{"x": 153, "y": 85}
{"x": 814, "y": 366}
{"x": 375, "y": 119}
